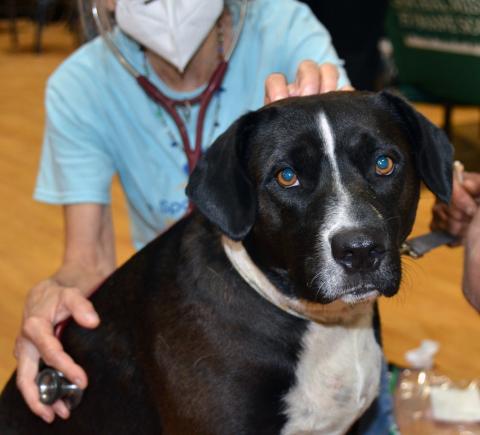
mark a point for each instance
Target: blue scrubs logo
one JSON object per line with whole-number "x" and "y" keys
{"x": 173, "y": 208}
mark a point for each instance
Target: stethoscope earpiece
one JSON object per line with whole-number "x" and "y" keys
{"x": 53, "y": 386}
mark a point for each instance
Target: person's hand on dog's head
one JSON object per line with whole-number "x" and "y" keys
{"x": 311, "y": 79}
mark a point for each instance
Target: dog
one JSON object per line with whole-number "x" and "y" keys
{"x": 255, "y": 314}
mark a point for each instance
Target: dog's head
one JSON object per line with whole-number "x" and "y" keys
{"x": 323, "y": 190}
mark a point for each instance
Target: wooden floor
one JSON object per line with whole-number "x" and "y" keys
{"x": 430, "y": 303}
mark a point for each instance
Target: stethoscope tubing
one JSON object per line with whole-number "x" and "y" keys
{"x": 169, "y": 104}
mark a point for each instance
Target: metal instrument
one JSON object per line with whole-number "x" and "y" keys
{"x": 53, "y": 386}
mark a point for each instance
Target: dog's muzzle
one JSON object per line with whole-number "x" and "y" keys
{"x": 358, "y": 266}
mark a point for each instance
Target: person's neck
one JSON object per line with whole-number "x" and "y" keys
{"x": 201, "y": 66}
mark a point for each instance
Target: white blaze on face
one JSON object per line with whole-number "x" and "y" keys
{"x": 326, "y": 134}
{"x": 339, "y": 214}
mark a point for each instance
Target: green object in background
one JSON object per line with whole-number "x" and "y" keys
{"x": 394, "y": 430}
{"x": 437, "y": 49}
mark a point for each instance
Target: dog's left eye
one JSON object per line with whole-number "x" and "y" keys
{"x": 384, "y": 165}
{"x": 287, "y": 178}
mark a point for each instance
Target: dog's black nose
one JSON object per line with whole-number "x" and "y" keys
{"x": 358, "y": 251}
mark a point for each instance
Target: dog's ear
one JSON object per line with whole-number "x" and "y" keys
{"x": 219, "y": 185}
{"x": 432, "y": 150}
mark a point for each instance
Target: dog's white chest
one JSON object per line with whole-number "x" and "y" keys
{"x": 337, "y": 378}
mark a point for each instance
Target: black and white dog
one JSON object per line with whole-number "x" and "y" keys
{"x": 254, "y": 314}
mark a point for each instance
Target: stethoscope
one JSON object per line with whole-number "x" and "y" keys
{"x": 52, "y": 385}
{"x": 170, "y": 104}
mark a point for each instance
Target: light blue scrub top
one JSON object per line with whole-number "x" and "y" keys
{"x": 100, "y": 122}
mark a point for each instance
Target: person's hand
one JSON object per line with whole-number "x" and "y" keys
{"x": 311, "y": 79}
{"x": 471, "y": 268}
{"x": 456, "y": 216}
{"x": 49, "y": 303}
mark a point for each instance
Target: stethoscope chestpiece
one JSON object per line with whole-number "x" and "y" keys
{"x": 53, "y": 386}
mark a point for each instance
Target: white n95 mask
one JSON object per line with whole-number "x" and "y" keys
{"x": 173, "y": 29}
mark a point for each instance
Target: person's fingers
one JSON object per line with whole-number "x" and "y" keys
{"x": 458, "y": 215}
{"x": 27, "y": 368}
{"x": 347, "y": 88}
{"x": 293, "y": 90}
{"x": 110, "y": 5}
{"x": 47, "y": 305}
{"x": 449, "y": 219}
{"x": 439, "y": 225}
{"x": 275, "y": 88}
{"x": 308, "y": 79}
{"x": 61, "y": 409}
{"x": 311, "y": 79}
{"x": 40, "y": 332}
{"x": 439, "y": 217}
{"x": 457, "y": 228}
{"x": 329, "y": 77}
{"x": 80, "y": 308}
{"x": 314, "y": 79}
{"x": 462, "y": 199}
{"x": 471, "y": 182}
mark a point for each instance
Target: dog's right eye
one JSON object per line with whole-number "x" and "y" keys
{"x": 287, "y": 178}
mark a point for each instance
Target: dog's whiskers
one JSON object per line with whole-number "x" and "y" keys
{"x": 319, "y": 289}
{"x": 316, "y": 276}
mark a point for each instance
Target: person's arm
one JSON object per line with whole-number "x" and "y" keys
{"x": 462, "y": 218}
{"x": 89, "y": 257}
{"x": 471, "y": 268}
